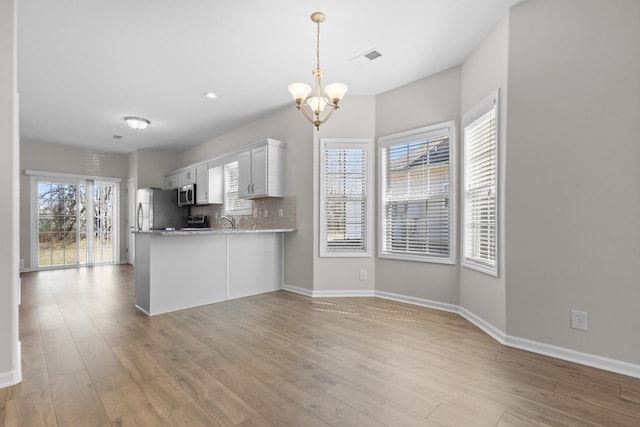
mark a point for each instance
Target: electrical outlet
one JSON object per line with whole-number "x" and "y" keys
{"x": 266, "y": 213}
{"x": 579, "y": 320}
{"x": 363, "y": 274}
{"x": 280, "y": 213}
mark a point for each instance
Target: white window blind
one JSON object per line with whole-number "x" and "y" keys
{"x": 416, "y": 201}
{"x": 232, "y": 204}
{"x": 344, "y": 184}
{"x": 481, "y": 187}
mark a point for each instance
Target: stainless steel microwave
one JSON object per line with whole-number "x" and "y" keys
{"x": 187, "y": 195}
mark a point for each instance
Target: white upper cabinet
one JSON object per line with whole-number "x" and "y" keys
{"x": 202, "y": 184}
{"x": 171, "y": 182}
{"x": 260, "y": 174}
{"x": 261, "y": 170}
{"x": 209, "y": 185}
{"x": 188, "y": 176}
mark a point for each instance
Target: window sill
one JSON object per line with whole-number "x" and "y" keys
{"x": 416, "y": 258}
{"x": 491, "y": 271}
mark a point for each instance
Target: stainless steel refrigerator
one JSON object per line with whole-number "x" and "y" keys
{"x": 158, "y": 209}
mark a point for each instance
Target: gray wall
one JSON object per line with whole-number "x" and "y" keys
{"x": 9, "y": 152}
{"x": 572, "y": 184}
{"x": 148, "y": 166}
{"x": 482, "y": 73}
{"x": 70, "y": 160}
{"x": 355, "y": 119}
{"x": 432, "y": 100}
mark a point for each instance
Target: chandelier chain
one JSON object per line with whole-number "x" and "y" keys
{"x": 318, "y": 47}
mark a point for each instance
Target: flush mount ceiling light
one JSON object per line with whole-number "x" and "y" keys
{"x": 317, "y": 101}
{"x": 210, "y": 95}
{"x": 137, "y": 123}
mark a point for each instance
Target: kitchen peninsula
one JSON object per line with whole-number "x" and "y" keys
{"x": 179, "y": 269}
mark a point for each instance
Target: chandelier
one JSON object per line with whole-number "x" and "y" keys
{"x": 316, "y": 102}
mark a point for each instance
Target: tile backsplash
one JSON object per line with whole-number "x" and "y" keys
{"x": 268, "y": 213}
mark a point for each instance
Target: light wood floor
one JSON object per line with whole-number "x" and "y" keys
{"x": 281, "y": 359}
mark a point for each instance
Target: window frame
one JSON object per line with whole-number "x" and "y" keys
{"x": 479, "y": 110}
{"x": 365, "y": 144}
{"x": 406, "y": 137}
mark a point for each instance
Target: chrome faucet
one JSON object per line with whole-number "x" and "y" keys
{"x": 231, "y": 220}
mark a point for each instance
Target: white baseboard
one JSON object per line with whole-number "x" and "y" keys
{"x": 341, "y": 294}
{"x": 328, "y": 294}
{"x": 486, "y": 327}
{"x": 419, "y": 301}
{"x": 142, "y": 309}
{"x": 587, "y": 359}
{"x": 297, "y": 290}
{"x": 14, "y": 376}
{"x": 557, "y": 352}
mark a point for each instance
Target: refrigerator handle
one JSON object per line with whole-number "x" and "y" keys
{"x": 139, "y": 214}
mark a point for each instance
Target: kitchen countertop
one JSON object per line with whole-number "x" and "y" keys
{"x": 197, "y": 231}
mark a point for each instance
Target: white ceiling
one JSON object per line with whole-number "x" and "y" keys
{"x": 83, "y": 65}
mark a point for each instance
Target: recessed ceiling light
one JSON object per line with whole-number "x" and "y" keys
{"x": 210, "y": 95}
{"x": 137, "y": 123}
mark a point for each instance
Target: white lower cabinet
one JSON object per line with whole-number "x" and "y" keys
{"x": 175, "y": 272}
{"x": 256, "y": 264}
{"x": 178, "y": 272}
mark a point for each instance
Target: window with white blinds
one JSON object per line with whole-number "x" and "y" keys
{"x": 344, "y": 215}
{"x": 417, "y": 178}
{"x": 480, "y": 228}
{"x": 232, "y": 204}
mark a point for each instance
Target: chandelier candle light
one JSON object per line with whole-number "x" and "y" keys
{"x": 317, "y": 101}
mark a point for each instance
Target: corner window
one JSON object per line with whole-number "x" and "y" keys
{"x": 416, "y": 182}
{"x": 480, "y": 174}
{"x": 344, "y": 205}
{"x": 232, "y": 204}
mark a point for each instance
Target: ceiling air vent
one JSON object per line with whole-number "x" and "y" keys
{"x": 365, "y": 57}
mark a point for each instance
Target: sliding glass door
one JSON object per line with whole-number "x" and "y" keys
{"x": 75, "y": 223}
{"x": 102, "y": 242}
